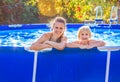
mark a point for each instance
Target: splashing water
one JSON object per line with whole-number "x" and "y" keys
{"x": 27, "y": 37}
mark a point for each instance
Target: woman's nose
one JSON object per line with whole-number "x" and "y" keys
{"x": 59, "y": 29}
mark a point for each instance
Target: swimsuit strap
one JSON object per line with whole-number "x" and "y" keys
{"x": 58, "y": 40}
{"x": 50, "y": 37}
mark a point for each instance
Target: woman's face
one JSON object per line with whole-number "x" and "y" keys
{"x": 84, "y": 35}
{"x": 58, "y": 29}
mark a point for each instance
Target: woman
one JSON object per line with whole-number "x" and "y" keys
{"x": 53, "y": 39}
{"x": 84, "y": 40}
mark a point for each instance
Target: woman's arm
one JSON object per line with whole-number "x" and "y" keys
{"x": 59, "y": 46}
{"x": 39, "y": 44}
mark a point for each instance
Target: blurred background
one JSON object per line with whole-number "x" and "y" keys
{"x": 42, "y": 11}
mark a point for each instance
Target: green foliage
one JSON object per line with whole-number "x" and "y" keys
{"x": 30, "y": 15}
{"x": 75, "y": 11}
{"x": 31, "y": 12}
{"x": 30, "y": 2}
{"x": 80, "y": 10}
{"x": 19, "y": 11}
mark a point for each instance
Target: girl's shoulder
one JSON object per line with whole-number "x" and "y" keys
{"x": 95, "y": 40}
{"x": 92, "y": 40}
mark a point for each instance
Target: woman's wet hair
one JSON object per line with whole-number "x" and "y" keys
{"x": 61, "y": 20}
{"x": 58, "y": 19}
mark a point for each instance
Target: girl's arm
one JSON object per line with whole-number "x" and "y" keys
{"x": 59, "y": 46}
{"x": 73, "y": 44}
{"x": 96, "y": 43}
{"x": 99, "y": 43}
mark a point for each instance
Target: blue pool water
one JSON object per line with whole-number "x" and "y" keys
{"x": 25, "y": 37}
{"x": 68, "y": 65}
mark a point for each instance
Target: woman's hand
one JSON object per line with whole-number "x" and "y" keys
{"x": 47, "y": 42}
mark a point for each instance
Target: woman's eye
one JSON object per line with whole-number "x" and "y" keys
{"x": 61, "y": 28}
{"x": 56, "y": 27}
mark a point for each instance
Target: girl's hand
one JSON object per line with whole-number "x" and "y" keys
{"x": 90, "y": 46}
{"x": 83, "y": 46}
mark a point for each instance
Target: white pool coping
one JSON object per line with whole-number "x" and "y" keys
{"x": 104, "y": 48}
{"x": 109, "y": 48}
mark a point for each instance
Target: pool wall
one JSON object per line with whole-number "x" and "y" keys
{"x": 68, "y": 65}
{"x": 40, "y": 26}
{"x": 15, "y": 64}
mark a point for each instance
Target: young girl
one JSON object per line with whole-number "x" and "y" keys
{"x": 53, "y": 39}
{"x": 84, "y": 40}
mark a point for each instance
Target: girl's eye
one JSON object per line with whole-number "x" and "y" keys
{"x": 82, "y": 34}
{"x": 86, "y": 34}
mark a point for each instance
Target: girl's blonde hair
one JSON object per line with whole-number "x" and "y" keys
{"x": 82, "y": 29}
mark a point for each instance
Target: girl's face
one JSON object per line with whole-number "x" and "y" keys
{"x": 58, "y": 29}
{"x": 84, "y": 35}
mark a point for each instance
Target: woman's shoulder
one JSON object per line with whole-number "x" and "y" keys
{"x": 64, "y": 37}
{"x": 48, "y": 34}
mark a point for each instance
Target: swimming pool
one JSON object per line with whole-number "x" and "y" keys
{"x": 69, "y": 65}
{"x": 24, "y": 37}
